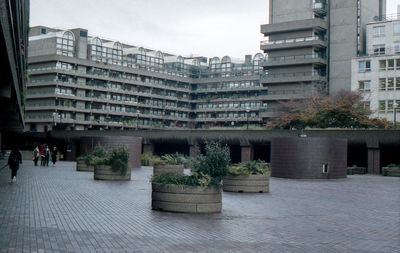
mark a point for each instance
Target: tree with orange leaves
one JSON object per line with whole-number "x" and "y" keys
{"x": 340, "y": 110}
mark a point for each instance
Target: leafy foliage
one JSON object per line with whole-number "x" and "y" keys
{"x": 207, "y": 170}
{"x": 255, "y": 167}
{"x": 85, "y": 158}
{"x": 340, "y": 110}
{"x": 100, "y": 151}
{"x": 215, "y": 162}
{"x": 117, "y": 158}
{"x": 393, "y": 165}
{"x": 147, "y": 159}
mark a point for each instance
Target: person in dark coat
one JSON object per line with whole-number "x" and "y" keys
{"x": 14, "y": 160}
{"x": 46, "y": 155}
{"x": 54, "y": 155}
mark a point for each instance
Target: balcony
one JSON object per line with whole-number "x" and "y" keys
{"x": 320, "y": 8}
{"x": 291, "y": 26}
{"x": 294, "y": 60}
{"x": 294, "y": 77}
{"x": 310, "y": 41}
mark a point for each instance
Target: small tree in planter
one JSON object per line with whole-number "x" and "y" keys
{"x": 113, "y": 166}
{"x": 147, "y": 159}
{"x": 199, "y": 192}
{"x": 251, "y": 176}
{"x": 356, "y": 170}
{"x": 392, "y": 170}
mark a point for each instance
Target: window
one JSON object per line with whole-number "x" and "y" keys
{"x": 366, "y": 105}
{"x": 364, "y": 85}
{"x": 382, "y": 83}
{"x": 390, "y": 84}
{"x": 382, "y": 65}
{"x": 390, "y": 64}
{"x": 382, "y": 106}
{"x": 390, "y": 105}
{"x": 379, "y": 31}
{"x": 364, "y": 66}
{"x": 396, "y": 28}
{"x": 396, "y": 47}
{"x": 397, "y": 83}
{"x": 397, "y": 64}
{"x": 65, "y": 44}
{"x": 379, "y": 49}
{"x": 83, "y": 34}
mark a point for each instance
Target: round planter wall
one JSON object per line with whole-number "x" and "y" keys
{"x": 134, "y": 144}
{"x": 246, "y": 183}
{"x": 186, "y": 199}
{"x": 309, "y": 158}
{"x": 168, "y": 169}
{"x": 82, "y": 166}
{"x": 104, "y": 172}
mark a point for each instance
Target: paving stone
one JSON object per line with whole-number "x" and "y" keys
{"x": 57, "y": 209}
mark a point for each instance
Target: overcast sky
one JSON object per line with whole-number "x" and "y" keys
{"x": 183, "y": 27}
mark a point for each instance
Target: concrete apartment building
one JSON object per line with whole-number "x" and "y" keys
{"x": 14, "y": 25}
{"x": 310, "y": 43}
{"x": 80, "y": 82}
{"x": 377, "y": 74}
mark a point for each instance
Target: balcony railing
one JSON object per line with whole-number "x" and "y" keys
{"x": 294, "y": 74}
{"x": 291, "y": 40}
{"x": 292, "y": 58}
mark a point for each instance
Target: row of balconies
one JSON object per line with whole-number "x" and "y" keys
{"x": 309, "y": 41}
{"x": 294, "y": 60}
{"x": 311, "y": 76}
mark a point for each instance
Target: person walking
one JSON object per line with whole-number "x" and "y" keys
{"x": 46, "y": 155}
{"x": 14, "y": 160}
{"x": 42, "y": 155}
{"x": 36, "y": 154}
{"x": 54, "y": 155}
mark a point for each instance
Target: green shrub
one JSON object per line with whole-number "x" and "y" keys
{"x": 393, "y": 165}
{"x": 84, "y": 158}
{"x": 119, "y": 160}
{"x": 207, "y": 170}
{"x": 215, "y": 162}
{"x": 256, "y": 167}
{"x": 100, "y": 151}
{"x": 147, "y": 159}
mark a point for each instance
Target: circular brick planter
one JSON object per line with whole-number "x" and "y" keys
{"x": 104, "y": 172}
{"x": 391, "y": 171}
{"x": 82, "y": 166}
{"x": 246, "y": 183}
{"x": 168, "y": 169}
{"x": 186, "y": 199}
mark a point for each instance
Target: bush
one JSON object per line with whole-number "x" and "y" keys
{"x": 393, "y": 165}
{"x": 119, "y": 160}
{"x": 192, "y": 180}
{"x": 84, "y": 158}
{"x": 256, "y": 167}
{"x": 147, "y": 159}
{"x": 100, "y": 151}
{"x": 215, "y": 162}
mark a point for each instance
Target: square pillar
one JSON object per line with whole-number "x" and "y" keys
{"x": 247, "y": 153}
{"x": 194, "y": 150}
{"x": 374, "y": 161}
{"x": 148, "y": 148}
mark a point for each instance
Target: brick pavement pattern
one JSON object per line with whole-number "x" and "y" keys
{"x": 57, "y": 209}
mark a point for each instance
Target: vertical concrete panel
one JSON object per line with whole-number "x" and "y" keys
{"x": 247, "y": 153}
{"x": 374, "y": 161}
{"x": 304, "y": 158}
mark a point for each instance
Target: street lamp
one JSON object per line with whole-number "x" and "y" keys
{"x": 395, "y": 105}
{"x": 137, "y": 119}
{"x": 247, "y": 114}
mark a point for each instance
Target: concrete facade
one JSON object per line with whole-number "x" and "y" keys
{"x": 377, "y": 74}
{"x": 333, "y": 35}
{"x": 14, "y": 25}
{"x": 82, "y": 82}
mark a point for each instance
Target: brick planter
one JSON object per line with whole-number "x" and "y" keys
{"x": 246, "y": 183}
{"x": 391, "y": 171}
{"x": 82, "y": 166}
{"x": 168, "y": 169}
{"x": 356, "y": 170}
{"x": 186, "y": 199}
{"x": 104, "y": 172}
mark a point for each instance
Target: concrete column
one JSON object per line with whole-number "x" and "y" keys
{"x": 247, "y": 153}
{"x": 374, "y": 161}
{"x": 70, "y": 155}
{"x": 194, "y": 150}
{"x": 148, "y": 148}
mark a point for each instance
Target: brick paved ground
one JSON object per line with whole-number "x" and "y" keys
{"x": 57, "y": 209}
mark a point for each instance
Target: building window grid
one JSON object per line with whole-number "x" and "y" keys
{"x": 65, "y": 44}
